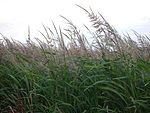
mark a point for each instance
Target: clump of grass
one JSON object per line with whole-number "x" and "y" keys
{"x": 109, "y": 75}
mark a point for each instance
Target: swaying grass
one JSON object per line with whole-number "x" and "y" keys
{"x": 109, "y": 75}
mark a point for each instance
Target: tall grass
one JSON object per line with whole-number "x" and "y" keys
{"x": 111, "y": 74}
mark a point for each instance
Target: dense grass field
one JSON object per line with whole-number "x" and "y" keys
{"x": 110, "y": 74}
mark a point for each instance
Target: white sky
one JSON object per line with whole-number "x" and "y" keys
{"x": 124, "y": 15}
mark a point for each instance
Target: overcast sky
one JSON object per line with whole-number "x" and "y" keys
{"x": 17, "y": 15}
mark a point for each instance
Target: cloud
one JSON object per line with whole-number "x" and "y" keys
{"x": 143, "y": 27}
{"x": 4, "y": 27}
{"x": 16, "y": 15}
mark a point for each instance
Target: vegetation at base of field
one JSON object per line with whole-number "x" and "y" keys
{"x": 110, "y": 74}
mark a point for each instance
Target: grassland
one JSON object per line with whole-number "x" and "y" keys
{"x": 111, "y": 74}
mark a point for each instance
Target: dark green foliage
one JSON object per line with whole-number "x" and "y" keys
{"x": 100, "y": 86}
